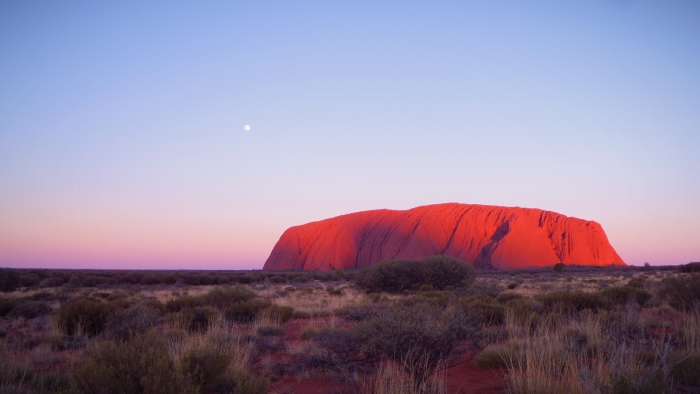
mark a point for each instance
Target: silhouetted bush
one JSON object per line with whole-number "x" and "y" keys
{"x": 206, "y": 368}
{"x": 141, "y": 365}
{"x": 420, "y": 337}
{"x": 29, "y": 280}
{"x": 623, "y": 294}
{"x": 8, "y": 304}
{"x": 92, "y": 281}
{"x": 196, "y": 319}
{"x": 486, "y": 309}
{"x": 576, "y": 301}
{"x": 682, "y": 292}
{"x": 507, "y": 296}
{"x": 31, "y": 309}
{"x": 150, "y": 279}
{"x": 51, "y": 282}
{"x": 690, "y": 267}
{"x": 245, "y": 312}
{"x": 87, "y": 314}
{"x": 277, "y": 279}
{"x": 396, "y": 276}
{"x": 558, "y": 267}
{"x": 9, "y": 280}
{"x": 133, "y": 321}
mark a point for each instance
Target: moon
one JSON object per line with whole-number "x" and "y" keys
{"x": 246, "y": 127}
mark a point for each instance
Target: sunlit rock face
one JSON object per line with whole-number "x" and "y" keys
{"x": 484, "y": 236}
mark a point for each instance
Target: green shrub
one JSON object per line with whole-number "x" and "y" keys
{"x": 150, "y": 279}
{"x": 420, "y": 337}
{"x": 396, "y": 276}
{"x": 491, "y": 358}
{"x": 87, "y": 314}
{"x": 266, "y": 331}
{"x": 29, "y": 280}
{"x": 683, "y": 293}
{"x": 133, "y": 321}
{"x": 196, "y": 319}
{"x": 507, "y": 296}
{"x": 245, "y": 312}
{"x": 206, "y": 368}
{"x": 51, "y": 282}
{"x": 92, "y": 281}
{"x": 487, "y": 312}
{"x": 221, "y": 298}
{"x": 7, "y": 305}
{"x": 30, "y": 310}
{"x": 690, "y": 268}
{"x": 277, "y": 279}
{"x": 140, "y": 365}
{"x": 569, "y": 302}
{"x": 9, "y": 280}
{"x": 621, "y": 295}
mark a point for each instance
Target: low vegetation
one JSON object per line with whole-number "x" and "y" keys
{"x": 397, "y": 327}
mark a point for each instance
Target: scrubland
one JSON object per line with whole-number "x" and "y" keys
{"x": 399, "y": 327}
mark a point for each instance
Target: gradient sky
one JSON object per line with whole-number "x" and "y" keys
{"x": 122, "y": 141}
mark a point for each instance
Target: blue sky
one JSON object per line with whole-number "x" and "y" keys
{"x": 122, "y": 141}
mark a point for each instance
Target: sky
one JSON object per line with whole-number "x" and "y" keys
{"x": 122, "y": 140}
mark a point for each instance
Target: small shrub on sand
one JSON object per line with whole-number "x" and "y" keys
{"x": 396, "y": 276}
{"x": 141, "y": 365}
{"x": 31, "y": 309}
{"x": 683, "y": 292}
{"x": 623, "y": 294}
{"x": 193, "y": 319}
{"x": 86, "y": 314}
{"x": 420, "y": 337}
{"x": 136, "y": 320}
{"x": 576, "y": 301}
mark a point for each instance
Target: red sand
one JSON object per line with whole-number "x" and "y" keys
{"x": 485, "y": 236}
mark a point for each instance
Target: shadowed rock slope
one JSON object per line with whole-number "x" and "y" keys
{"x": 482, "y": 235}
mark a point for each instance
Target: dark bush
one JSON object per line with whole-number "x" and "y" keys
{"x": 129, "y": 279}
{"x": 687, "y": 372}
{"x": 9, "y": 280}
{"x": 8, "y": 304}
{"x": 420, "y": 338}
{"x": 87, "y": 314}
{"x": 558, "y": 267}
{"x": 576, "y": 301}
{"x": 195, "y": 319}
{"x": 51, "y": 282}
{"x": 623, "y": 294}
{"x": 245, "y": 312}
{"x": 277, "y": 279}
{"x": 133, "y": 321}
{"x": 31, "y": 309}
{"x": 507, "y": 296}
{"x": 396, "y": 276}
{"x": 141, "y": 365}
{"x": 205, "y": 367}
{"x": 92, "y": 281}
{"x": 221, "y": 298}
{"x": 485, "y": 309}
{"x": 355, "y": 314}
{"x": 682, "y": 292}
{"x": 29, "y": 280}
{"x": 690, "y": 268}
{"x": 150, "y": 279}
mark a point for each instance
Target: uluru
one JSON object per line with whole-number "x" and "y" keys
{"x": 482, "y": 235}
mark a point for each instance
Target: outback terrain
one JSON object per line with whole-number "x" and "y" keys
{"x": 422, "y": 326}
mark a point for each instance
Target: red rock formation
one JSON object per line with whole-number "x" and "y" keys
{"x": 485, "y": 236}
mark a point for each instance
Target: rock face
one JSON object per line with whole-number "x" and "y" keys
{"x": 484, "y": 236}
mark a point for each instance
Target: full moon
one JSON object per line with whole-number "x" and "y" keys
{"x": 247, "y": 127}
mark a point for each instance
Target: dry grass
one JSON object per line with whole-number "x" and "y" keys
{"x": 390, "y": 379}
